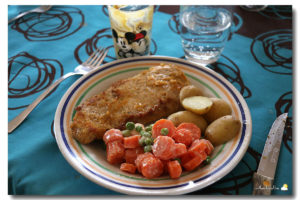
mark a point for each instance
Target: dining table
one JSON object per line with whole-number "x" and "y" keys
{"x": 42, "y": 47}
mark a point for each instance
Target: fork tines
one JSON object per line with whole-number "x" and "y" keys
{"x": 96, "y": 58}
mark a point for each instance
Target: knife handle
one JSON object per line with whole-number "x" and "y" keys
{"x": 262, "y": 185}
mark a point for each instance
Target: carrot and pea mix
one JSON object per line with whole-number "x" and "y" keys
{"x": 157, "y": 149}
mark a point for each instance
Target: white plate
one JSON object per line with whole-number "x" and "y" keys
{"x": 89, "y": 160}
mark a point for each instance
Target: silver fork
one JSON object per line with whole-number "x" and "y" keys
{"x": 91, "y": 63}
{"x": 40, "y": 9}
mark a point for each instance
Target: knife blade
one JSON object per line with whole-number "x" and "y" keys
{"x": 263, "y": 178}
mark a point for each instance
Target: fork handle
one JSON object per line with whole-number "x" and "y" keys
{"x": 18, "y": 16}
{"x": 20, "y": 118}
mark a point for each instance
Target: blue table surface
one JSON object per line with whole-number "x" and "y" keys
{"x": 257, "y": 60}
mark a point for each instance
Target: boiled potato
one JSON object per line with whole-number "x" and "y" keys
{"x": 189, "y": 91}
{"x": 219, "y": 109}
{"x": 222, "y": 130}
{"x": 187, "y": 116}
{"x": 197, "y": 104}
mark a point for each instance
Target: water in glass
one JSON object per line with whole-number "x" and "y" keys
{"x": 204, "y": 32}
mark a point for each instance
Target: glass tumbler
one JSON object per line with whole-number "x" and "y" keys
{"x": 131, "y": 29}
{"x": 204, "y": 31}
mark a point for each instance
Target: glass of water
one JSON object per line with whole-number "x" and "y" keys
{"x": 204, "y": 31}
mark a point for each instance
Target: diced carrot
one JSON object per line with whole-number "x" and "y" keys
{"x": 165, "y": 162}
{"x": 196, "y": 132}
{"x": 112, "y": 135}
{"x": 178, "y": 150}
{"x": 162, "y": 147}
{"x": 139, "y": 160}
{"x": 210, "y": 147}
{"x": 160, "y": 124}
{"x": 152, "y": 167}
{"x": 174, "y": 169}
{"x": 183, "y": 136}
{"x": 199, "y": 146}
{"x": 186, "y": 157}
{"x": 132, "y": 142}
{"x": 194, "y": 162}
{"x": 128, "y": 167}
{"x": 194, "y": 143}
{"x": 131, "y": 154}
{"x": 196, "y": 153}
{"x": 115, "y": 152}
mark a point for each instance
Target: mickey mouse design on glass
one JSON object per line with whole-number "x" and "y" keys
{"x": 131, "y": 29}
{"x": 132, "y": 44}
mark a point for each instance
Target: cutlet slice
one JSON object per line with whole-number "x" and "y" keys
{"x": 143, "y": 98}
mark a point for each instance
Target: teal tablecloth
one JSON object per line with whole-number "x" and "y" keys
{"x": 43, "y": 47}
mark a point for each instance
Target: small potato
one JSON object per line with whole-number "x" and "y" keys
{"x": 222, "y": 130}
{"x": 197, "y": 104}
{"x": 219, "y": 109}
{"x": 189, "y": 91}
{"x": 187, "y": 116}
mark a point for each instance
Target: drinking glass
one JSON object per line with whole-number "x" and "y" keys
{"x": 131, "y": 29}
{"x": 204, "y": 31}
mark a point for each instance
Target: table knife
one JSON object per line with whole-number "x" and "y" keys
{"x": 264, "y": 177}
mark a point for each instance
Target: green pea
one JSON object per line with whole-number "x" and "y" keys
{"x": 208, "y": 159}
{"x": 147, "y": 148}
{"x": 164, "y": 131}
{"x": 142, "y": 132}
{"x": 130, "y": 126}
{"x": 148, "y": 128}
{"x": 126, "y": 133}
{"x": 148, "y": 141}
{"x": 142, "y": 141}
{"x": 145, "y": 134}
{"x": 138, "y": 128}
